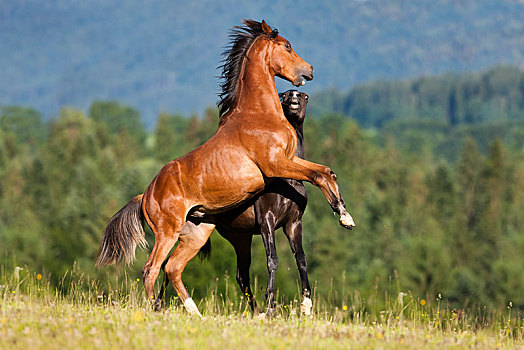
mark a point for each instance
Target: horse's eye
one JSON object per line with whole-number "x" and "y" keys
{"x": 288, "y": 47}
{"x": 306, "y": 97}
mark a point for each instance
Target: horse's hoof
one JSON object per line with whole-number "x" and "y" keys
{"x": 346, "y": 221}
{"x": 305, "y": 306}
{"x": 158, "y": 305}
{"x": 270, "y": 312}
{"x": 191, "y": 308}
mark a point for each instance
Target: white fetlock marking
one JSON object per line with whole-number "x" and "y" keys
{"x": 191, "y": 307}
{"x": 306, "y": 306}
{"x": 347, "y": 220}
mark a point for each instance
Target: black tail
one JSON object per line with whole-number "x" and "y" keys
{"x": 122, "y": 234}
{"x": 205, "y": 251}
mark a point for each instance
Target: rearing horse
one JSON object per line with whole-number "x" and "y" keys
{"x": 254, "y": 143}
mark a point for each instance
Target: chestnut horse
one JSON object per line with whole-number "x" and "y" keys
{"x": 254, "y": 143}
{"x": 280, "y": 205}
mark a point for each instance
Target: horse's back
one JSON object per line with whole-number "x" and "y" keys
{"x": 216, "y": 176}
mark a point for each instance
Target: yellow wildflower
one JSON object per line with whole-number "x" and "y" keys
{"x": 138, "y": 316}
{"x": 38, "y": 276}
{"x": 422, "y": 302}
{"x": 345, "y": 307}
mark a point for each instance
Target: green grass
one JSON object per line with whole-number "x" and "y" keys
{"x": 80, "y": 314}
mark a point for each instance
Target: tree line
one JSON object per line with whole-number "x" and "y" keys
{"x": 425, "y": 224}
{"x": 438, "y": 112}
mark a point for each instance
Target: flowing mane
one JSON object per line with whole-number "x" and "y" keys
{"x": 241, "y": 39}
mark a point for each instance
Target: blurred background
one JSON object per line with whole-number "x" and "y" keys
{"x": 418, "y": 106}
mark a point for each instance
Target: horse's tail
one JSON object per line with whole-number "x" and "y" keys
{"x": 122, "y": 234}
{"x": 205, "y": 251}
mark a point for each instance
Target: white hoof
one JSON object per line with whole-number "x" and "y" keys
{"x": 306, "y": 306}
{"x": 347, "y": 221}
{"x": 191, "y": 307}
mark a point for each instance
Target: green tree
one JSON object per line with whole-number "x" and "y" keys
{"x": 116, "y": 119}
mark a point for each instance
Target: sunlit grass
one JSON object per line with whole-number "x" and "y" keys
{"x": 80, "y": 314}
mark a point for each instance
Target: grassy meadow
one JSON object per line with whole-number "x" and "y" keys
{"x": 81, "y": 314}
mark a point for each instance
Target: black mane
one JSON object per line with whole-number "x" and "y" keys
{"x": 241, "y": 40}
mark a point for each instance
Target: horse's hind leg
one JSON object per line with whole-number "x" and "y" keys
{"x": 163, "y": 287}
{"x": 166, "y": 234}
{"x": 163, "y": 244}
{"x": 267, "y": 230}
{"x": 293, "y": 231}
{"x": 242, "y": 244}
{"x": 192, "y": 238}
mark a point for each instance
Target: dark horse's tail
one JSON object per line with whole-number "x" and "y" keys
{"x": 205, "y": 251}
{"x": 122, "y": 234}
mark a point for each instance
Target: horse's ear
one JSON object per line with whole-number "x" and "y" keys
{"x": 265, "y": 27}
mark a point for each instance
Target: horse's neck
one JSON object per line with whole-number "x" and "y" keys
{"x": 257, "y": 90}
{"x": 300, "y": 152}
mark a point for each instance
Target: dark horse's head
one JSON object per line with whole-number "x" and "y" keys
{"x": 294, "y": 104}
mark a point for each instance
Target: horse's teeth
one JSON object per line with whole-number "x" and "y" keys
{"x": 303, "y": 82}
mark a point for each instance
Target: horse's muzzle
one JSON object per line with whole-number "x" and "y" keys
{"x": 305, "y": 74}
{"x": 309, "y": 75}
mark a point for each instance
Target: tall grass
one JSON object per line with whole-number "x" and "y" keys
{"x": 80, "y": 313}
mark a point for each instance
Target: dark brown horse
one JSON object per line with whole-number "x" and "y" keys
{"x": 280, "y": 205}
{"x": 253, "y": 144}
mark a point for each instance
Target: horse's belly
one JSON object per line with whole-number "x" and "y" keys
{"x": 230, "y": 188}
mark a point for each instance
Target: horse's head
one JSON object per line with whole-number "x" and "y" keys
{"x": 258, "y": 46}
{"x": 294, "y": 104}
{"x": 284, "y": 61}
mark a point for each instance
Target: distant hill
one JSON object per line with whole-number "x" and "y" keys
{"x": 162, "y": 55}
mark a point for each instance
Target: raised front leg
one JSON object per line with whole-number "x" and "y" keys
{"x": 293, "y": 231}
{"x": 319, "y": 175}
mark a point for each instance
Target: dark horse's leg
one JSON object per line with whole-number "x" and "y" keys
{"x": 293, "y": 231}
{"x": 242, "y": 244}
{"x": 267, "y": 230}
{"x": 163, "y": 287}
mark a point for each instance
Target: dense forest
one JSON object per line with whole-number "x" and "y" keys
{"x": 437, "y": 112}
{"x": 429, "y": 222}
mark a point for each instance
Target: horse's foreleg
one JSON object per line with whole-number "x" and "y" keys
{"x": 293, "y": 231}
{"x": 319, "y": 175}
{"x": 330, "y": 190}
{"x": 192, "y": 238}
{"x": 267, "y": 229}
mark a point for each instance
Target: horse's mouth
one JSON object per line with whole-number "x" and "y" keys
{"x": 294, "y": 106}
{"x": 301, "y": 79}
